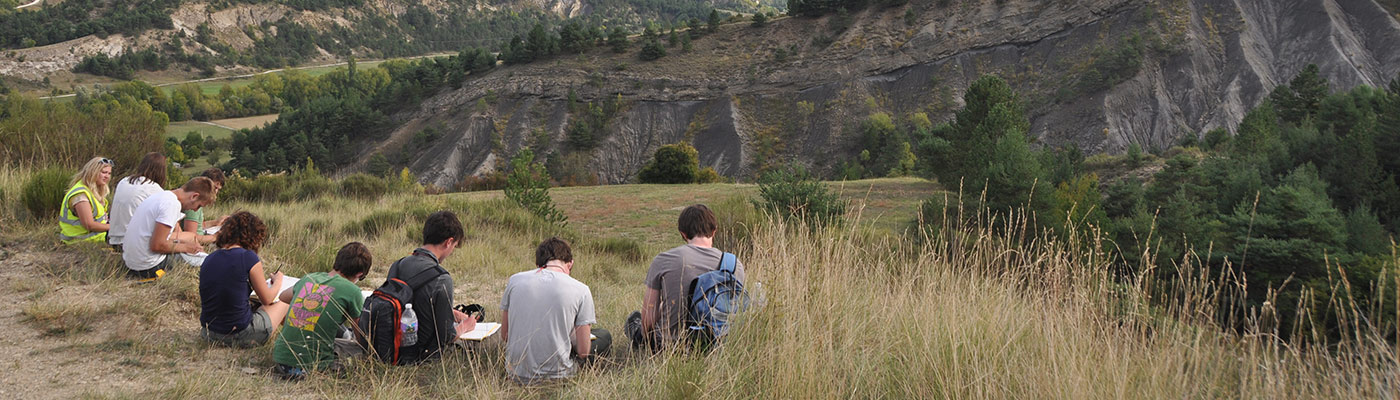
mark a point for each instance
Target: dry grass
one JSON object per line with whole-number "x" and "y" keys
{"x": 980, "y": 311}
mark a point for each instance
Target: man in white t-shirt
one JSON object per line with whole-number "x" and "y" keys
{"x": 547, "y": 318}
{"x": 153, "y": 237}
{"x": 131, "y": 192}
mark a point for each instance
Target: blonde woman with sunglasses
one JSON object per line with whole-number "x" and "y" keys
{"x": 83, "y": 215}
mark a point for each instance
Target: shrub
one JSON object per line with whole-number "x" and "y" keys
{"x": 43, "y": 193}
{"x": 492, "y": 181}
{"x": 311, "y": 185}
{"x": 407, "y": 182}
{"x": 792, "y": 194}
{"x": 708, "y": 175}
{"x": 364, "y": 186}
{"x": 672, "y": 163}
{"x": 265, "y": 187}
{"x": 528, "y": 186}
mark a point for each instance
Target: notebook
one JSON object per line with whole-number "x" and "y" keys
{"x": 483, "y": 330}
{"x": 287, "y": 283}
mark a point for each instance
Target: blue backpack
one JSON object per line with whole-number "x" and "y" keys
{"x": 715, "y": 298}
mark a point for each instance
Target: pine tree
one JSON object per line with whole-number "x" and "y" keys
{"x": 1302, "y": 97}
{"x": 652, "y": 50}
{"x": 760, "y": 19}
{"x": 714, "y": 21}
{"x": 617, "y": 39}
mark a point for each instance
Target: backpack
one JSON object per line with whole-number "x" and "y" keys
{"x": 715, "y": 298}
{"x": 379, "y": 321}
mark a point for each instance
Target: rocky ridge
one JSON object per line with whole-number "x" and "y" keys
{"x": 737, "y": 96}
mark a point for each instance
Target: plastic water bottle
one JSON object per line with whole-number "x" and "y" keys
{"x": 408, "y": 324}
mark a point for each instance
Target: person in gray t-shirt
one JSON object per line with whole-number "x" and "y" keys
{"x": 664, "y": 306}
{"x": 547, "y": 318}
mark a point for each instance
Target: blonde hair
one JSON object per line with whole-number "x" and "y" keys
{"x": 88, "y": 176}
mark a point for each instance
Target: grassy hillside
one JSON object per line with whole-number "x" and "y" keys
{"x": 853, "y": 311}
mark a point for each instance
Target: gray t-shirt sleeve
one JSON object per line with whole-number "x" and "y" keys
{"x": 739, "y": 270}
{"x": 505, "y": 298}
{"x": 585, "y": 310}
{"x": 658, "y": 266}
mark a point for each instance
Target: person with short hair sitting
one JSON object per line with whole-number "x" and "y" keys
{"x": 154, "y": 238}
{"x": 320, "y": 303}
{"x": 83, "y": 215}
{"x": 547, "y": 318}
{"x": 438, "y": 324}
{"x": 194, "y": 219}
{"x": 225, "y": 316}
{"x": 666, "y": 301}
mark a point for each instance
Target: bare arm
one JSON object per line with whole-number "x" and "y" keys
{"x": 215, "y": 222}
{"x": 464, "y": 323}
{"x": 84, "y": 212}
{"x": 162, "y": 242}
{"x": 266, "y": 294}
{"x": 505, "y": 325}
{"x": 650, "y": 307}
{"x": 189, "y": 225}
{"x": 286, "y": 296}
{"x": 582, "y": 339}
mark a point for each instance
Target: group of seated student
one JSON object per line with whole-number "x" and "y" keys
{"x": 547, "y": 316}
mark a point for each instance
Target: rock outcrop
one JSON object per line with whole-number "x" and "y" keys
{"x": 749, "y": 96}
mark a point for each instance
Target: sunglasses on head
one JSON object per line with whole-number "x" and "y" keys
{"x": 107, "y": 161}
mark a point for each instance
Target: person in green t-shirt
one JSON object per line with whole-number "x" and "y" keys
{"x": 320, "y": 303}
{"x": 194, "y": 219}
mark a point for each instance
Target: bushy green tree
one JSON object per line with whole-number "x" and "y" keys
{"x": 672, "y": 163}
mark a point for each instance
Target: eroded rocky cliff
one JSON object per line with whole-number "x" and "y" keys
{"x": 748, "y": 96}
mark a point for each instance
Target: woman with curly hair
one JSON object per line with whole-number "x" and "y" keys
{"x": 83, "y": 215}
{"x": 225, "y": 278}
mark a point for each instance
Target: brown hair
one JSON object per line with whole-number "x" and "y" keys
{"x": 152, "y": 167}
{"x": 553, "y": 249}
{"x": 243, "y": 229}
{"x": 697, "y": 220}
{"x": 353, "y": 259}
{"x": 214, "y": 174}
{"x": 441, "y": 226}
{"x": 203, "y": 186}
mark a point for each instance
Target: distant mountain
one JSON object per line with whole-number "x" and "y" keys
{"x": 245, "y": 35}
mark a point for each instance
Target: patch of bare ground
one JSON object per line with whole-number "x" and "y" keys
{"x": 72, "y": 326}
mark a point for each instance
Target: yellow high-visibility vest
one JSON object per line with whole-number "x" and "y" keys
{"x": 70, "y": 228}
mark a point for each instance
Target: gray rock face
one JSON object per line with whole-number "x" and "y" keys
{"x": 1208, "y": 62}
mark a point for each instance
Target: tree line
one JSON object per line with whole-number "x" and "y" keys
{"x": 1305, "y": 195}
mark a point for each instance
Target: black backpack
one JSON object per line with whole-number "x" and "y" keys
{"x": 379, "y": 321}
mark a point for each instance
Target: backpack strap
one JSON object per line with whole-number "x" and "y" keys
{"x": 727, "y": 262}
{"x": 423, "y": 277}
